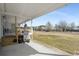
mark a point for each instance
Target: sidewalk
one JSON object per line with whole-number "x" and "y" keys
{"x": 45, "y": 50}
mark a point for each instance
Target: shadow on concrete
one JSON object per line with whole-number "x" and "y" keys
{"x": 21, "y": 50}
{"x": 18, "y": 50}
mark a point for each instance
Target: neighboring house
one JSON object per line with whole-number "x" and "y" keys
{"x": 76, "y": 28}
{"x": 39, "y": 28}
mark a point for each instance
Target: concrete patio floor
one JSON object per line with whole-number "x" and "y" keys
{"x": 28, "y": 49}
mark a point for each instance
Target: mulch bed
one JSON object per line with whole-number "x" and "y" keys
{"x": 8, "y": 40}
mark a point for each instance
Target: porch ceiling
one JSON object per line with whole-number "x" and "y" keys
{"x": 28, "y": 11}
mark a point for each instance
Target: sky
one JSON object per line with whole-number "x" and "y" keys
{"x": 68, "y": 13}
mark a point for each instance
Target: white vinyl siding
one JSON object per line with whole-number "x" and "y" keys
{"x": 0, "y": 28}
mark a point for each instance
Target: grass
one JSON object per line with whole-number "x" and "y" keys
{"x": 65, "y": 42}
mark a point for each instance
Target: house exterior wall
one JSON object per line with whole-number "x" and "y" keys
{"x": 9, "y": 25}
{"x": 0, "y": 28}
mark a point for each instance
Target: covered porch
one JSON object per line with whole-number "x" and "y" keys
{"x": 14, "y": 14}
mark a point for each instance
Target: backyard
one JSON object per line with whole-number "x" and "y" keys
{"x": 66, "y": 41}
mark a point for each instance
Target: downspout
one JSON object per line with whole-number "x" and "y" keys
{"x": 16, "y": 29}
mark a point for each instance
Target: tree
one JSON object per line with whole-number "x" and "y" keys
{"x": 62, "y": 25}
{"x": 57, "y": 27}
{"x": 72, "y": 26}
{"x": 48, "y": 26}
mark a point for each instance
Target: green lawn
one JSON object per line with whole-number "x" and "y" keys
{"x": 67, "y": 42}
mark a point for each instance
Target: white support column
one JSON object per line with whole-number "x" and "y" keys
{"x": 31, "y": 29}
